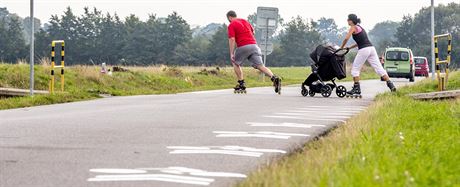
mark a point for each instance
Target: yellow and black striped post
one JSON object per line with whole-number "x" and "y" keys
{"x": 442, "y": 79}
{"x": 53, "y": 64}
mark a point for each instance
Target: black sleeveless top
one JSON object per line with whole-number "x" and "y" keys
{"x": 361, "y": 39}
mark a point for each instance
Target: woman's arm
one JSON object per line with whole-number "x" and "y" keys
{"x": 353, "y": 46}
{"x": 350, "y": 32}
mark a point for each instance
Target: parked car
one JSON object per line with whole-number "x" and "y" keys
{"x": 421, "y": 66}
{"x": 399, "y": 63}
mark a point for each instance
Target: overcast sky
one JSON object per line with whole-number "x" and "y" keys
{"x": 202, "y": 12}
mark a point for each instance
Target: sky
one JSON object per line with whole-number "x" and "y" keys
{"x": 203, "y": 12}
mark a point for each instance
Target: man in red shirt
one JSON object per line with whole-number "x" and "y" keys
{"x": 243, "y": 46}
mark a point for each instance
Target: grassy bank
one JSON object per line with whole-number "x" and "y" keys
{"x": 397, "y": 142}
{"x": 86, "y": 82}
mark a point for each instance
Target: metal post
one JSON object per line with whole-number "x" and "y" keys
{"x": 31, "y": 82}
{"x": 432, "y": 42}
{"x": 266, "y": 50}
{"x": 266, "y": 45}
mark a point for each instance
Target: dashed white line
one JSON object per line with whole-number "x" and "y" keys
{"x": 318, "y": 116}
{"x": 154, "y": 177}
{"x": 325, "y": 112}
{"x": 292, "y": 125}
{"x": 171, "y": 174}
{"x": 303, "y": 118}
{"x": 195, "y": 172}
{"x": 224, "y": 150}
{"x": 261, "y": 134}
{"x": 332, "y": 109}
{"x": 117, "y": 171}
{"x": 340, "y": 107}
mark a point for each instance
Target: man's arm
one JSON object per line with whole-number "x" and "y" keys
{"x": 350, "y": 32}
{"x": 232, "y": 45}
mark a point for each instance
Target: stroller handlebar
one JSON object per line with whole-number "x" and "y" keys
{"x": 342, "y": 51}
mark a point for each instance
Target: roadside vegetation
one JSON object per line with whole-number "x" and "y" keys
{"x": 398, "y": 141}
{"x": 86, "y": 82}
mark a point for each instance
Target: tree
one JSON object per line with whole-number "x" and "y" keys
{"x": 174, "y": 31}
{"x": 330, "y": 31}
{"x": 193, "y": 52}
{"x": 26, "y": 25}
{"x": 404, "y": 33}
{"x": 297, "y": 40}
{"x": 218, "y": 52}
{"x": 110, "y": 39}
{"x": 414, "y": 32}
{"x": 13, "y": 46}
{"x": 136, "y": 37}
{"x": 383, "y": 34}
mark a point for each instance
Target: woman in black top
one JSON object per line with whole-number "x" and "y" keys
{"x": 366, "y": 52}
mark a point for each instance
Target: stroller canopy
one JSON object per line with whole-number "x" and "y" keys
{"x": 329, "y": 64}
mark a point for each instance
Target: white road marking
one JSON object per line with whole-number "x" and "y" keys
{"x": 311, "y": 118}
{"x": 225, "y": 150}
{"x": 154, "y": 177}
{"x": 332, "y": 109}
{"x": 195, "y": 172}
{"x": 293, "y": 125}
{"x": 325, "y": 112}
{"x": 335, "y": 106}
{"x": 261, "y": 134}
{"x": 119, "y": 171}
{"x": 173, "y": 174}
{"x": 318, "y": 116}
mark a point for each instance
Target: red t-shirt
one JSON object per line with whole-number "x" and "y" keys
{"x": 242, "y": 31}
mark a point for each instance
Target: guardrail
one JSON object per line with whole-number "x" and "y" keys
{"x": 442, "y": 78}
{"x": 53, "y": 64}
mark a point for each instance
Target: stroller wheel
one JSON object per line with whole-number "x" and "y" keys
{"x": 326, "y": 91}
{"x": 341, "y": 91}
{"x": 304, "y": 92}
{"x": 311, "y": 93}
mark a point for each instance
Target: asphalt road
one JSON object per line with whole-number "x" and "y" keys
{"x": 211, "y": 138}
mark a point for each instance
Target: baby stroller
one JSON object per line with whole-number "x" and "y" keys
{"x": 329, "y": 65}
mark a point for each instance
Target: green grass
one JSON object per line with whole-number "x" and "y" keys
{"x": 86, "y": 82}
{"x": 397, "y": 142}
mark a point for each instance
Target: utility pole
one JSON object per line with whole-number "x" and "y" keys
{"x": 433, "y": 60}
{"x": 31, "y": 83}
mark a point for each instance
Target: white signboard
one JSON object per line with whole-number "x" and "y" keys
{"x": 266, "y": 49}
{"x": 267, "y": 22}
{"x": 267, "y": 17}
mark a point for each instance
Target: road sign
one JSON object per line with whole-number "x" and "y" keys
{"x": 267, "y": 17}
{"x": 264, "y": 33}
{"x": 266, "y": 48}
{"x": 267, "y": 22}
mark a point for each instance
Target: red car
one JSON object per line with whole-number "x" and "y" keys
{"x": 421, "y": 66}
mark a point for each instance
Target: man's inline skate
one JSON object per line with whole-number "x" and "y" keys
{"x": 240, "y": 88}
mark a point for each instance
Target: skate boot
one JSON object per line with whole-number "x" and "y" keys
{"x": 277, "y": 84}
{"x": 391, "y": 86}
{"x": 355, "y": 92}
{"x": 240, "y": 88}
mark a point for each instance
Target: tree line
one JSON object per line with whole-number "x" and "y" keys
{"x": 95, "y": 37}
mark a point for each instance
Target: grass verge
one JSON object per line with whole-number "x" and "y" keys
{"x": 86, "y": 82}
{"x": 397, "y": 142}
